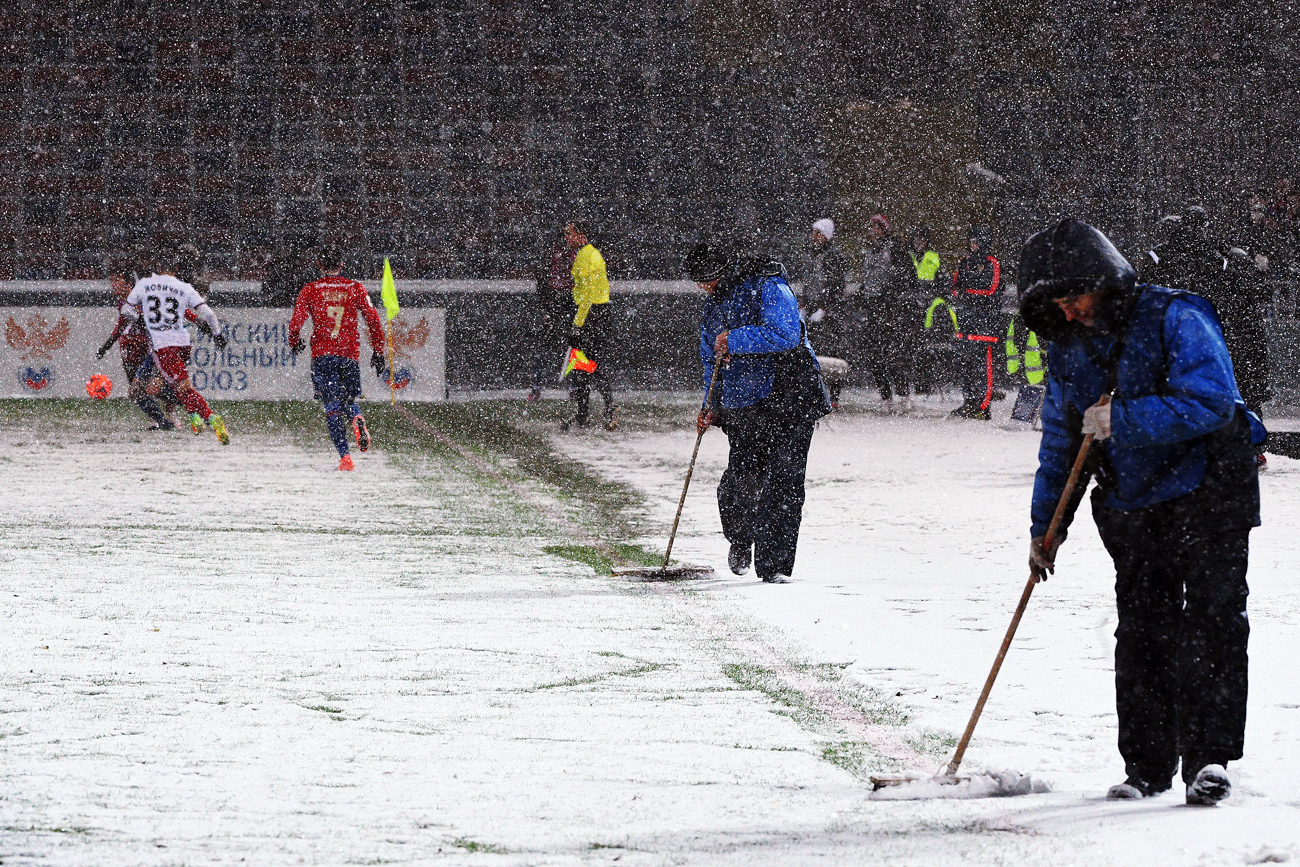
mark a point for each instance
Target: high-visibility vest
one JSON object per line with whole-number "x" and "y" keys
{"x": 1032, "y": 358}
{"x": 952, "y": 314}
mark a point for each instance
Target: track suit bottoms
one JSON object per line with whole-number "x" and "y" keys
{"x": 1180, "y": 653}
{"x": 761, "y": 494}
{"x": 594, "y": 343}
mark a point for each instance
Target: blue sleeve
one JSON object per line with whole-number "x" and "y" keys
{"x": 778, "y": 328}
{"x": 1054, "y": 458}
{"x": 708, "y": 332}
{"x": 1201, "y": 392}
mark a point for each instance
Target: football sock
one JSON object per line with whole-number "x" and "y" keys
{"x": 338, "y": 426}
{"x": 150, "y": 408}
{"x": 194, "y": 402}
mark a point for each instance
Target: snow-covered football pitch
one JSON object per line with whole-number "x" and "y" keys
{"x": 240, "y": 655}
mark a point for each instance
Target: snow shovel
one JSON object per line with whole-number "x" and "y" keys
{"x": 1006, "y": 782}
{"x": 676, "y": 573}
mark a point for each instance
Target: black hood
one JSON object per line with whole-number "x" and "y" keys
{"x": 1072, "y": 258}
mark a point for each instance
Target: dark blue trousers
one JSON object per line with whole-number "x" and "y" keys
{"x": 761, "y": 494}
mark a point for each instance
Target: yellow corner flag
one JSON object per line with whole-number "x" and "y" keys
{"x": 388, "y": 292}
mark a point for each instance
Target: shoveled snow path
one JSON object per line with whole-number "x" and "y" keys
{"x": 911, "y": 560}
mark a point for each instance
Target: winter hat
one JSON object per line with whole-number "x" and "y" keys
{"x": 826, "y": 226}
{"x": 883, "y": 222}
{"x": 707, "y": 262}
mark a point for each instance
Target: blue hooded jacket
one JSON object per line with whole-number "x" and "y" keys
{"x": 1173, "y": 380}
{"x": 762, "y": 317}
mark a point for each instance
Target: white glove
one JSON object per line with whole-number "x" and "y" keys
{"x": 1096, "y": 421}
{"x": 818, "y": 315}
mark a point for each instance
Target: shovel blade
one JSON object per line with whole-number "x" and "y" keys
{"x": 672, "y": 573}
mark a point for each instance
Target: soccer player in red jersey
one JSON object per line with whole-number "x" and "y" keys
{"x": 333, "y": 303}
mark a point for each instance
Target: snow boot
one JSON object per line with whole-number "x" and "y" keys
{"x": 1133, "y": 789}
{"x": 1209, "y": 788}
{"x": 739, "y": 558}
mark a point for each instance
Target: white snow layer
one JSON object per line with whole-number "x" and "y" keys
{"x": 241, "y": 655}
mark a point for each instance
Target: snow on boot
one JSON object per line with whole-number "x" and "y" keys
{"x": 1132, "y": 789}
{"x": 1210, "y": 787}
{"x": 739, "y": 558}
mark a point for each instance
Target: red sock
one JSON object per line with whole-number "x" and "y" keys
{"x": 194, "y": 402}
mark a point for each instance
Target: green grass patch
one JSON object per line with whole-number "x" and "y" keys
{"x": 603, "y": 559}
{"x": 635, "y": 671}
{"x": 475, "y": 846}
{"x": 853, "y": 756}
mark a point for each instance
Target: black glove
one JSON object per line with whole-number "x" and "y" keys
{"x": 101, "y": 351}
{"x": 377, "y": 362}
{"x": 220, "y": 341}
{"x": 296, "y": 346}
{"x": 575, "y": 337}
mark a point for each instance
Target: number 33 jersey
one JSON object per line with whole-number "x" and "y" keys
{"x": 162, "y": 301}
{"x": 333, "y": 304}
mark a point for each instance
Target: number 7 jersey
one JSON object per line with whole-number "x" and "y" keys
{"x": 333, "y": 304}
{"x": 162, "y": 301}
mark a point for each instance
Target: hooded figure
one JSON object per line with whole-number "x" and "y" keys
{"x": 1176, "y": 496}
{"x": 768, "y": 395}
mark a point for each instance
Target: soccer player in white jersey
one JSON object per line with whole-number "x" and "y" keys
{"x": 161, "y": 300}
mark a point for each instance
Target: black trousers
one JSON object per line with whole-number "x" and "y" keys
{"x": 594, "y": 342}
{"x": 977, "y": 370}
{"x": 1180, "y": 654}
{"x": 761, "y": 494}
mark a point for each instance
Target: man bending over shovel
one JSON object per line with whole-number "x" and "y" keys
{"x": 1144, "y": 369}
{"x": 768, "y": 394}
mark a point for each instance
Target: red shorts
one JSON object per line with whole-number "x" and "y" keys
{"x": 171, "y": 363}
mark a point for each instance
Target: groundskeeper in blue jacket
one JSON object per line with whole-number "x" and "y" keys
{"x": 1176, "y": 496}
{"x": 769, "y": 393}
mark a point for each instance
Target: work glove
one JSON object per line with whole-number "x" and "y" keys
{"x": 1041, "y": 561}
{"x": 575, "y": 337}
{"x": 220, "y": 341}
{"x": 377, "y": 362}
{"x": 1096, "y": 420}
{"x": 704, "y": 420}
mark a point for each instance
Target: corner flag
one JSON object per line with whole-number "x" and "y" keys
{"x": 388, "y": 292}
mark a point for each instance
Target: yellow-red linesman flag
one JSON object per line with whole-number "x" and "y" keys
{"x": 577, "y": 360}
{"x": 388, "y": 292}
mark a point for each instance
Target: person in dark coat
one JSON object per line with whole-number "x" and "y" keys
{"x": 554, "y": 309}
{"x": 769, "y": 393}
{"x": 1145, "y": 371}
{"x": 976, "y": 285}
{"x": 826, "y": 297}
{"x": 1190, "y": 259}
{"x": 888, "y": 309}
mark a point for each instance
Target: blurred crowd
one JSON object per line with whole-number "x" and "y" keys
{"x": 893, "y": 315}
